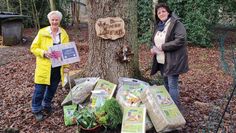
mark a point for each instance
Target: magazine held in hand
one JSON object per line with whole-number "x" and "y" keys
{"x": 63, "y": 54}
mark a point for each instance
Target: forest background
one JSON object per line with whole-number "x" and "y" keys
{"x": 211, "y": 34}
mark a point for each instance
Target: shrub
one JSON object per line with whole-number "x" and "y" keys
{"x": 199, "y": 17}
{"x": 145, "y": 18}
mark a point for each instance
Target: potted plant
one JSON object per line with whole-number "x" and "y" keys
{"x": 86, "y": 121}
{"x": 110, "y": 114}
{"x": 94, "y": 120}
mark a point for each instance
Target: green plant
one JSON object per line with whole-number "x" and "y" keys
{"x": 199, "y": 23}
{"x": 86, "y": 118}
{"x": 145, "y": 17}
{"x": 110, "y": 114}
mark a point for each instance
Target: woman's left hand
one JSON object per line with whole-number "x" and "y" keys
{"x": 159, "y": 47}
{"x": 66, "y": 70}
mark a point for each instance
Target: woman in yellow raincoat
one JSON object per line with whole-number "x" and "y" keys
{"x": 47, "y": 78}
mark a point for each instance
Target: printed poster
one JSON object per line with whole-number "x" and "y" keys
{"x": 63, "y": 54}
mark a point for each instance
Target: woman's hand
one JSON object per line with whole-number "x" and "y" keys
{"x": 47, "y": 54}
{"x": 153, "y": 51}
{"x": 159, "y": 47}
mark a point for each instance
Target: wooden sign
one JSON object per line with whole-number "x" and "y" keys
{"x": 110, "y": 28}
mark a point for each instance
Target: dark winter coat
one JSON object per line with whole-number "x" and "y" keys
{"x": 176, "y": 57}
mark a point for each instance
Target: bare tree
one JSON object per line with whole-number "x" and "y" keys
{"x": 102, "y": 60}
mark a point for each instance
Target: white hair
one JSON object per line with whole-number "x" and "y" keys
{"x": 58, "y": 13}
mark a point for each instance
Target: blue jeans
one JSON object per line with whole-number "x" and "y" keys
{"x": 171, "y": 84}
{"x": 43, "y": 94}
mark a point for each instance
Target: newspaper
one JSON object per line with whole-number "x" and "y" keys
{"x": 63, "y": 54}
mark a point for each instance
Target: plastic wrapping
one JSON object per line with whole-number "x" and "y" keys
{"x": 69, "y": 117}
{"x": 162, "y": 110}
{"x": 133, "y": 120}
{"x": 81, "y": 90}
{"x": 128, "y": 95}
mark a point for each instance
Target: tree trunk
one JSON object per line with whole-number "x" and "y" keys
{"x": 35, "y": 15}
{"x": 20, "y": 3}
{"x": 155, "y": 2}
{"x": 52, "y": 5}
{"x": 8, "y": 7}
{"x": 75, "y": 7}
{"x": 102, "y": 52}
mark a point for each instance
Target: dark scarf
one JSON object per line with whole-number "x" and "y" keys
{"x": 161, "y": 25}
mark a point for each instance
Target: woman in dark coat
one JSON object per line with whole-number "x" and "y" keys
{"x": 169, "y": 49}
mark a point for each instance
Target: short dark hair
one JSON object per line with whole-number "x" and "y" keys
{"x": 163, "y": 5}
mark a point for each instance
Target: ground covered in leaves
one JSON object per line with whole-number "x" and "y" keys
{"x": 202, "y": 88}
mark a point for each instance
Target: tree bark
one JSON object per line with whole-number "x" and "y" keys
{"x": 75, "y": 7}
{"x": 8, "y": 7}
{"x": 52, "y": 5}
{"x": 155, "y": 2}
{"x": 102, "y": 52}
{"x": 35, "y": 15}
{"x": 20, "y": 3}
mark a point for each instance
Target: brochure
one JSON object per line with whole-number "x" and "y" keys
{"x": 63, "y": 54}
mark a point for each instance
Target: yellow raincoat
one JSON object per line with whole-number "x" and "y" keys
{"x": 41, "y": 43}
